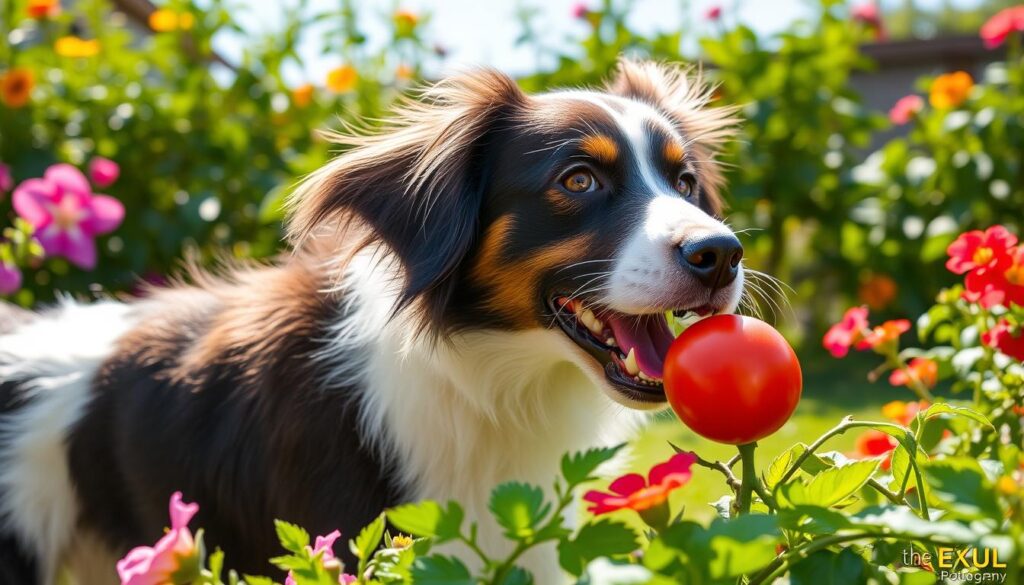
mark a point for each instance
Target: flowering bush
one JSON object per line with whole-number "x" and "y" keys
{"x": 935, "y": 480}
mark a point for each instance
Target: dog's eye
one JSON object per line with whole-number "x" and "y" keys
{"x": 580, "y": 182}
{"x": 686, "y": 184}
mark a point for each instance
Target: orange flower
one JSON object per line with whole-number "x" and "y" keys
{"x": 165, "y": 20}
{"x": 903, "y": 412}
{"x": 633, "y": 492}
{"x": 342, "y": 79}
{"x": 887, "y": 332}
{"x": 877, "y": 291}
{"x": 405, "y": 22}
{"x": 950, "y": 90}
{"x": 875, "y": 443}
{"x": 16, "y": 87}
{"x": 302, "y": 95}
{"x": 404, "y": 72}
{"x": 76, "y": 47}
{"x": 921, "y": 370}
{"x": 42, "y": 9}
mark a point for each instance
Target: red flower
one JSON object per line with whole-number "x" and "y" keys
{"x": 995, "y": 31}
{"x": 980, "y": 250}
{"x": 887, "y": 332}
{"x": 714, "y": 12}
{"x": 1001, "y": 337}
{"x": 1002, "y": 284}
{"x": 841, "y": 336}
{"x": 905, "y": 108}
{"x": 922, "y": 370}
{"x": 634, "y": 493}
{"x": 875, "y": 443}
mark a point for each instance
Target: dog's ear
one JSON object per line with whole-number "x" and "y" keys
{"x": 681, "y": 94}
{"x": 416, "y": 184}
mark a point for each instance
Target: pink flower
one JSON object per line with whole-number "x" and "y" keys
{"x": 324, "y": 545}
{"x": 905, "y": 108}
{"x": 6, "y": 181}
{"x": 10, "y": 278}
{"x": 103, "y": 171}
{"x": 868, "y": 14}
{"x": 66, "y": 215}
{"x": 580, "y": 10}
{"x": 841, "y": 336}
{"x": 714, "y": 12}
{"x": 1001, "y": 337}
{"x": 155, "y": 565}
{"x": 995, "y": 31}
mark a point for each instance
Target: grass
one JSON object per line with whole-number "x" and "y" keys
{"x": 832, "y": 390}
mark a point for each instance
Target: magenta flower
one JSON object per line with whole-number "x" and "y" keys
{"x": 103, "y": 171}
{"x": 905, "y": 108}
{"x": 174, "y": 552}
{"x": 713, "y": 13}
{"x": 6, "y": 181}
{"x": 580, "y": 10}
{"x": 10, "y": 278}
{"x": 325, "y": 545}
{"x": 67, "y": 216}
{"x": 847, "y": 332}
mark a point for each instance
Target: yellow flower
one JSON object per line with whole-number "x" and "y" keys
{"x": 401, "y": 541}
{"x": 16, "y": 87}
{"x": 1007, "y": 486}
{"x": 73, "y": 47}
{"x": 302, "y": 95}
{"x": 342, "y": 79}
{"x": 165, "y": 20}
{"x": 404, "y": 72}
{"x": 950, "y": 90}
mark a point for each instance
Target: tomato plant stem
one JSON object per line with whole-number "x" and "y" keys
{"x": 748, "y": 479}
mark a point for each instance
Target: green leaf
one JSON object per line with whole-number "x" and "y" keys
{"x": 253, "y": 580}
{"x": 813, "y": 519}
{"x": 604, "y": 538}
{"x": 518, "y": 508}
{"x": 578, "y": 467}
{"x": 440, "y": 570}
{"x": 778, "y": 467}
{"x": 902, "y": 521}
{"x": 428, "y": 519}
{"x": 940, "y": 408}
{"x": 368, "y": 540}
{"x": 825, "y": 567}
{"x": 960, "y": 486}
{"x": 830, "y": 486}
{"x": 742, "y": 545}
{"x": 293, "y": 538}
{"x": 901, "y": 469}
{"x": 517, "y": 576}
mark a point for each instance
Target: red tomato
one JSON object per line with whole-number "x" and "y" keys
{"x": 732, "y": 379}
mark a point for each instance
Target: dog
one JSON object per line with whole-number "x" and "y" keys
{"x": 463, "y": 286}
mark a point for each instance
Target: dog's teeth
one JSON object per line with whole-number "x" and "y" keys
{"x": 630, "y": 363}
{"x": 611, "y": 342}
{"x": 647, "y": 378}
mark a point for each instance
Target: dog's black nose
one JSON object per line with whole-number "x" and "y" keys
{"x": 714, "y": 260}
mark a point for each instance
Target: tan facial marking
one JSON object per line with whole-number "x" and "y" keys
{"x": 601, "y": 148}
{"x": 674, "y": 152}
{"x": 561, "y": 202}
{"x": 512, "y": 286}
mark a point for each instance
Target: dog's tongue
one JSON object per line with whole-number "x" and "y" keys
{"x": 648, "y": 335}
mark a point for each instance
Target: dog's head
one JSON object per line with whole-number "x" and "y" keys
{"x": 592, "y": 212}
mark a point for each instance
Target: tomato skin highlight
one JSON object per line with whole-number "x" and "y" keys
{"x": 732, "y": 379}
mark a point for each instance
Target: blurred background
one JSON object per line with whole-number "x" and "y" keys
{"x": 873, "y": 133}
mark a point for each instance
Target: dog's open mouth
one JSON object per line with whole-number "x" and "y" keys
{"x": 631, "y": 348}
